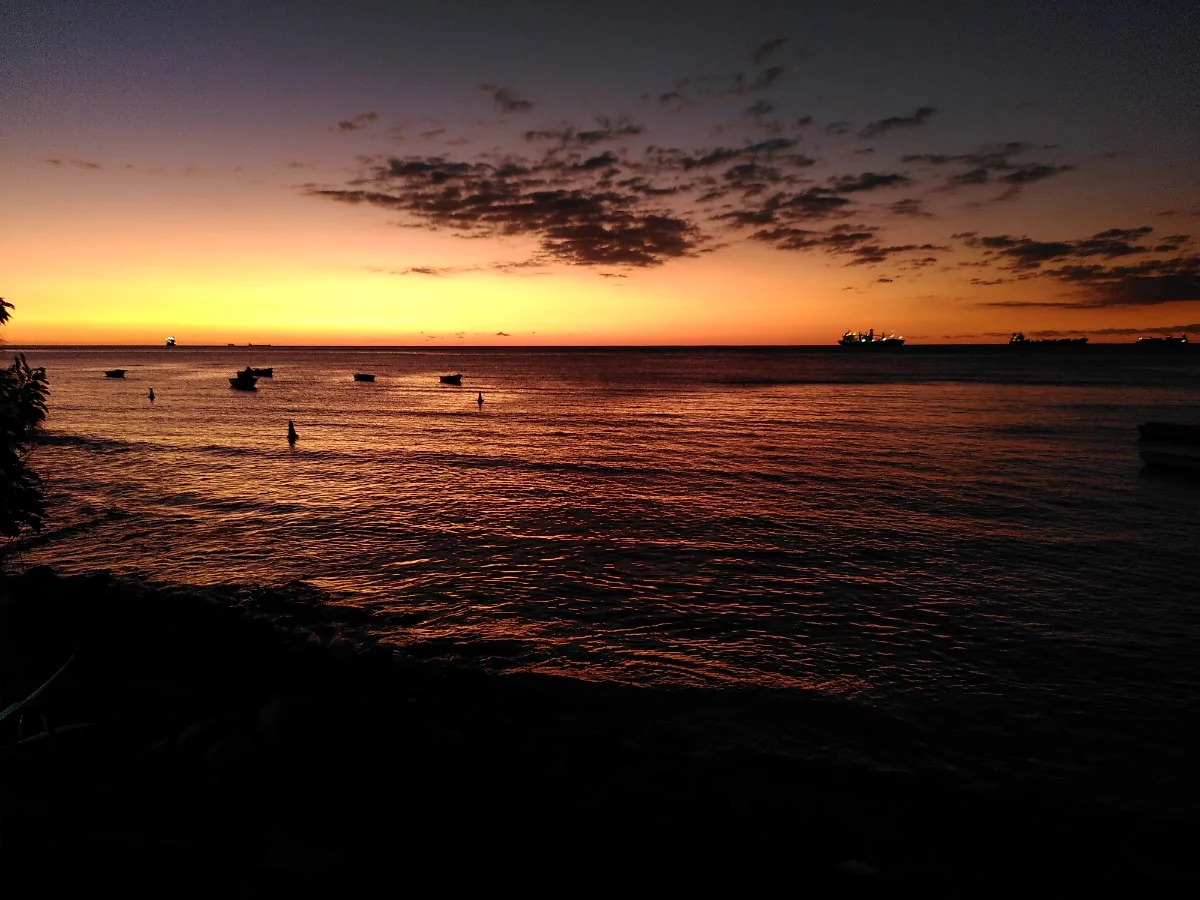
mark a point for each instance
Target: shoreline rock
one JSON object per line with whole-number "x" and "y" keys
{"x": 260, "y": 743}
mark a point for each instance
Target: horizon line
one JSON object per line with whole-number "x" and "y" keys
{"x": 252, "y": 346}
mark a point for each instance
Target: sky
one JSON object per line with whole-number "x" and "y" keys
{"x": 652, "y": 172}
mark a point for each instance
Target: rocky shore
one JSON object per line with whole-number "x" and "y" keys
{"x": 257, "y": 743}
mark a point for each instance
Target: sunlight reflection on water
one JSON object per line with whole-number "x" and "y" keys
{"x": 932, "y": 523}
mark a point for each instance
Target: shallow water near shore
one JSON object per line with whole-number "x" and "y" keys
{"x": 958, "y": 528}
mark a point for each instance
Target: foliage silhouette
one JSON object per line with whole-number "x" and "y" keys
{"x": 23, "y": 392}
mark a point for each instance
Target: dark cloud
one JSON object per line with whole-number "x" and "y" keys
{"x": 435, "y": 271}
{"x": 1162, "y": 329}
{"x": 693, "y": 92}
{"x": 424, "y": 270}
{"x": 1031, "y": 173}
{"x": 506, "y": 98}
{"x": 1025, "y": 253}
{"x": 362, "y": 120}
{"x": 838, "y": 239}
{"x": 867, "y": 181}
{"x": 869, "y": 254}
{"x": 910, "y": 207}
{"x": 856, "y": 242}
{"x": 993, "y": 156}
{"x": 595, "y": 195}
{"x": 1148, "y": 281}
{"x": 1021, "y": 176}
{"x": 766, "y": 78}
{"x": 75, "y": 163}
{"x": 772, "y": 148}
{"x": 835, "y": 128}
{"x": 766, "y": 48}
{"x": 991, "y": 165}
{"x": 575, "y": 217}
{"x": 969, "y": 177}
{"x": 804, "y": 121}
{"x": 606, "y": 130}
{"x": 920, "y": 117}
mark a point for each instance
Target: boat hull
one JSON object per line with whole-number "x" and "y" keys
{"x": 115, "y": 373}
{"x": 1175, "y": 461}
{"x": 363, "y": 376}
{"x": 450, "y": 379}
{"x": 1172, "y": 432}
{"x": 242, "y": 383}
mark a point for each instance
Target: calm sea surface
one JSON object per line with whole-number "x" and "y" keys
{"x": 964, "y": 526}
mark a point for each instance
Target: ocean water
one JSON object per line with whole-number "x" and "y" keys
{"x": 961, "y": 528}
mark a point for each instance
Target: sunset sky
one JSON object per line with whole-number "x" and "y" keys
{"x": 535, "y": 172}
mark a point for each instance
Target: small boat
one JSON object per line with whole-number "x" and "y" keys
{"x": 450, "y": 379}
{"x": 1170, "y": 432}
{"x": 869, "y": 339}
{"x": 115, "y": 373}
{"x": 244, "y": 380}
{"x": 170, "y": 341}
{"x": 268, "y": 372}
{"x": 363, "y": 376}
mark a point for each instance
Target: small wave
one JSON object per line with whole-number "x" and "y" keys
{"x": 785, "y": 382}
{"x": 66, "y": 531}
{"x": 108, "y": 445}
{"x": 468, "y": 649}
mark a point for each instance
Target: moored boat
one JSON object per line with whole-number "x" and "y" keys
{"x": 268, "y": 372}
{"x": 1153, "y": 341}
{"x": 450, "y": 379}
{"x": 244, "y": 380}
{"x": 363, "y": 376}
{"x": 1171, "y": 432}
{"x": 115, "y": 373}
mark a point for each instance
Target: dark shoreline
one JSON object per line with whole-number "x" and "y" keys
{"x": 256, "y": 742}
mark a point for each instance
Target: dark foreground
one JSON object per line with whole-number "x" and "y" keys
{"x": 238, "y": 744}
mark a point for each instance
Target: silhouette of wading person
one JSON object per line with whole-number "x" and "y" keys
{"x": 479, "y": 399}
{"x": 292, "y": 436}
{"x": 151, "y": 395}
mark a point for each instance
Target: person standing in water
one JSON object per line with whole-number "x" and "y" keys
{"x": 292, "y": 436}
{"x": 479, "y": 399}
{"x": 151, "y": 395}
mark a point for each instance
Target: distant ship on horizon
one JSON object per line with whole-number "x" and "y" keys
{"x": 170, "y": 341}
{"x": 1146, "y": 339}
{"x": 1018, "y": 337}
{"x": 859, "y": 339}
